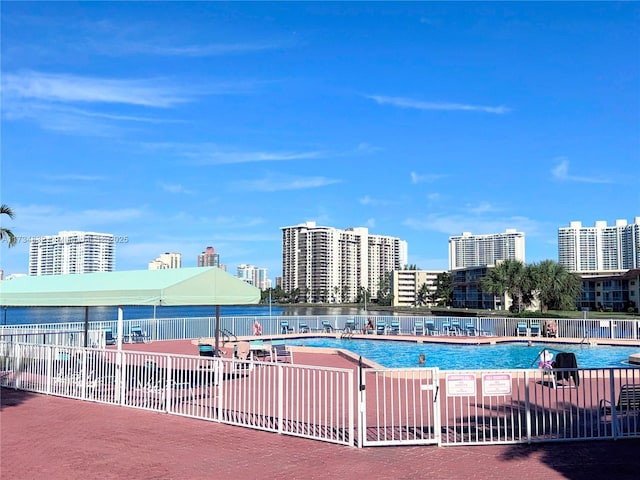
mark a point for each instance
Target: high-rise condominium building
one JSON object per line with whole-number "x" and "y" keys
{"x": 209, "y": 258}
{"x": 325, "y": 264}
{"x": 600, "y": 248}
{"x": 72, "y": 252}
{"x": 165, "y": 261}
{"x": 469, "y": 250}
{"x": 255, "y": 276}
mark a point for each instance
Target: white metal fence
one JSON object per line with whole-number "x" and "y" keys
{"x": 188, "y": 328}
{"x": 313, "y": 402}
{"x": 394, "y": 406}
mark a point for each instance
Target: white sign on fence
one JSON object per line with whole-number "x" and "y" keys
{"x": 461, "y": 384}
{"x": 496, "y": 384}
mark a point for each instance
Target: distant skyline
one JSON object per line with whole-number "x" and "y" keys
{"x": 183, "y": 125}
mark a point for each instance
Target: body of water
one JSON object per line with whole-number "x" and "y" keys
{"x": 397, "y": 354}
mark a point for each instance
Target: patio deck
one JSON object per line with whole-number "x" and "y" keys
{"x": 72, "y": 439}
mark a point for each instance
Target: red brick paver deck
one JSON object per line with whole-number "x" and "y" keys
{"x": 58, "y": 438}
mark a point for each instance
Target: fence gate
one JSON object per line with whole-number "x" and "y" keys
{"x": 399, "y": 407}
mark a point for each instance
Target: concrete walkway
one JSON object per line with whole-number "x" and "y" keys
{"x": 55, "y": 438}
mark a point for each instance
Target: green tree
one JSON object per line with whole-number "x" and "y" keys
{"x": 422, "y": 296}
{"x": 6, "y": 234}
{"x": 557, "y": 288}
{"x": 385, "y": 296}
{"x": 512, "y": 277}
{"x": 443, "y": 294}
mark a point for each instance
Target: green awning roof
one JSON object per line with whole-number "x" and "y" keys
{"x": 182, "y": 286}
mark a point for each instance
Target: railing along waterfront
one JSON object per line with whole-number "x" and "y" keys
{"x": 197, "y": 327}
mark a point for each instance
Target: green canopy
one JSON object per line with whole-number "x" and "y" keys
{"x": 182, "y": 286}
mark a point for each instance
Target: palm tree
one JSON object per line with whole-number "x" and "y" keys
{"x": 422, "y": 296}
{"x": 5, "y": 233}
{"x": 557, "y": 288}
{"x": 443, "y": 294}
{"x": 512, "y": 277}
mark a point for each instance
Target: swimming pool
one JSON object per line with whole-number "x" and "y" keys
{"x": 395, "y": 354}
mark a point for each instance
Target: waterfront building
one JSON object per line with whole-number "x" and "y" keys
{"x": 254, "y": 276}
{"x": 209, "y": 258}
{"x": 467, "y": 250}
{"x": 467, "y": 292}
{"x": 72, "y": 252}
{"x": 165, "y": 261}
{"x": 329, "y": 265}
{"x": 611, "y": 291}
{"x": 406, "y": 285}
{"x": 601, "y": 248}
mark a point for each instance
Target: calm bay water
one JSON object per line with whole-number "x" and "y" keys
{"x": 23, "y": 315}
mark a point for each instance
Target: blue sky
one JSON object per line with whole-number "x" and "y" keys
{"x": 181, "y": 125}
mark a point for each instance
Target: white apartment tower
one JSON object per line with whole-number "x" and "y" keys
{"x": 600, "y": 248}
{"x": 469, "y": 250}
{"x": 254, "y": 276}
{"x": 166, "y": 261}
{"x": 329, "y": 265}
{"x": 72, "y": 252}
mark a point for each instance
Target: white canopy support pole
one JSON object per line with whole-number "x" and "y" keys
{"x": 120, "y": 326}
{"x": 86, "y": 327}
{"x": 217, "y": 330}
{"x": 119, "y": 376}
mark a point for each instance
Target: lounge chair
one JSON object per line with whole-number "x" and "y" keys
{"x": 563, "y": 368}
{"x": 381, "y": 327}
{"x": 349, "y": 326}
{"x": 446, "y": 328}
{"x": 394, "y": 328}
{"x": 471, "y": 330}
{"x": 303, "y": 327}
{"x": 534, "y": 329}
{"x": 628, "y": 401}
{"x": 455, "y": 329}
{"x": 109, "y": 339}
{"x": 327, "y": 327}
{"x": 259, "y": 350}
{"x": 521, "y": 329}
{"x": 205, "y": 350}
{"x": 138, "y": 335}
{"x": 418, "y": 327}
{"x": 285, "y": 327}
{"x": 280, "y": 352}
{"x": 430, "y": 327}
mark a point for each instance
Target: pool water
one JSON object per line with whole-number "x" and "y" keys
{"x": 397, "y": 354}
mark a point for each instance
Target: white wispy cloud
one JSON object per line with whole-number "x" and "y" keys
{"x": 76, "y": 177}
{"x": 207, "y": 50}
{"x": 482, "y": 207}
{"x": 368, "y": 200}
{"x": 53, "y": 87}
{"x": 277, "y": 183}
{"x": 561, "y": 172}
{"x": 175, "y": 188}
{"x": 419, "y": 178}
{"x": 455, "y": 224}
{"x": 404, "y": 102}
{"x": 212, "y": 154}
{"x": 38, "y": 219}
